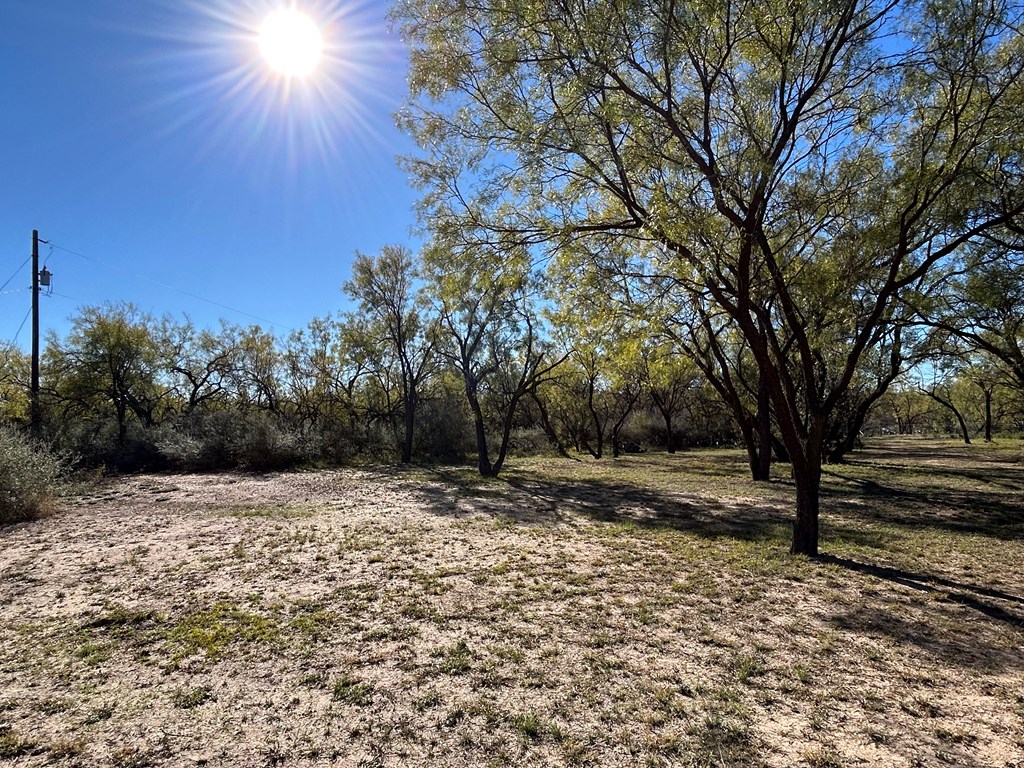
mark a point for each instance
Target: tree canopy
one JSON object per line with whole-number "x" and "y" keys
{"x": 798, "y": 166}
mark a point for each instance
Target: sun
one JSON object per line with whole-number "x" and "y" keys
{"x": 290, "y": 42}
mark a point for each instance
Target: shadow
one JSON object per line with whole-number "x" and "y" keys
{"x": 966, "y": 511}
{"x": 535, "y": 500}
{"x": 956, "y": 643}
{"x": 958, "y": 592}
{"x": 964, "y": 491}
{"x": 946, "y": 632}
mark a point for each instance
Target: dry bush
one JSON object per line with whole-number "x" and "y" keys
{"x": 30, "y": 477}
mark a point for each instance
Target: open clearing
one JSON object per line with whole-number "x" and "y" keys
{"x": 636, "y": 612}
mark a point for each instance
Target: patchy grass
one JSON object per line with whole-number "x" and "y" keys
{"x": 212, "y": 631}
{"x": 632, "y": 612}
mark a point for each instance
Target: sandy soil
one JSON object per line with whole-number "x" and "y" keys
{"x": 360, "y": 618}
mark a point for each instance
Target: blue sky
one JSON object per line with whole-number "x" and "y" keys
{"x": 150, "y": 137}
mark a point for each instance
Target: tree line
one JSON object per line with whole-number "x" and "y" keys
{"x": 435, "y": 364}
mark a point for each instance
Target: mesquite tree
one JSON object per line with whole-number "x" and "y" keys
{"x": 802, "y": 164}
{"x": 392, "y": 307}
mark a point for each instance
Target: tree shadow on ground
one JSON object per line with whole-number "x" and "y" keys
{"x": 947, "y": 627}
{"x": 958, "y": 510}
{"x": 955, "y": 490}
{"x": 944, "y": 630}
{"x": 969, "y": 595}
{"x": 553, "y": 501}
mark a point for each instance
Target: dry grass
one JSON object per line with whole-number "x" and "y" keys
{"x": 632, "y": 612}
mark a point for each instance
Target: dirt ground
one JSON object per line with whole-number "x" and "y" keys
{"x": 637, "y": 612}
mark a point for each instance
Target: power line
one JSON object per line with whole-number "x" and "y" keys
{"x": 172, "y": 288}
{"x": 17, "y": 333}
{"x": 15, "y": 273}
{"x": 76, "y": 253}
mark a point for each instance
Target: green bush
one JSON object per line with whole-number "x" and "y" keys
{"x": 233, "y": 439}
{"x": 30, "y": 477}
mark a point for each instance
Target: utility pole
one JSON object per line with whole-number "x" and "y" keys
{"x": 36, "y": 422}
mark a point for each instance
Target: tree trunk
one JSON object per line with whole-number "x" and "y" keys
{"x": 122, "y": 423}
{"x": 410, "y": 428}
{"x": 666, "y": 414}
{"x": 598, "y": 452}
{"x": 506, "y": 432}
{"x": 988, "y": 415}
{"x": 548, "y": 427}
{"x": 807, "y": 477}
{"x": 483, "y": 461}
{"x": 750, "y": 443}
{"x": 780, "y": 451}
{"x": 964, "y": 431}
{"x": 763, "y": 472}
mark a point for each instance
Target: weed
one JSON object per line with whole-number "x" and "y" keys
{"x": 527, "y": 724}
{"x": 130, "y": 757}
{"x": 54, "y": 705}
{"x": 63, "y": 749}
{"x": 212, "y": 632}
{"x": 93, "y": 653}
{"x": 453, "y": 717}
{"x": 351, "y": 690}
{"x": 577, "y": 753}
{"x": 748, "y": 666}
{"x": 98, "y": 715}
{"x": 190, "y": 698}
{"x": 427, "y": 701}
{"x": 802, "y": 674}
{"x": 724, "y": 736}
{"x": 456, "y": 660}
{"x": 13, "y": 745}
{"x": 955, "y": 736}
{"x": 316, "y": 680}
{"x": 118, "y": 618}
{"x": 820, "y": 758}
{"x": 919, "y": 706}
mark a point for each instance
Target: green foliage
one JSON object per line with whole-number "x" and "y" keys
{"x": 14, "y": 378}
{"x": 772, "y": 181}
{"x": 231, "y": 439}
{"x": 457, "y": 659}
{"x": 190, "y": 698}
{"x": 30, "y": 477}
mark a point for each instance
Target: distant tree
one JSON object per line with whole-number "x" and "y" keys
{"x": 257, "y": 374}
{"x": 110, "y": 363}
{"x": 942, "y": 389}
{"x": 317, "y": 375}
{"x": 604, "y": 373}
{"x": 15, "y": 371}
{"x": 669, "y": 377}
{"x": 976, "y": 308}
{"x": 197, "y": 363}
{"x": 491, "y": 335}
{"x": 392, "y": 307}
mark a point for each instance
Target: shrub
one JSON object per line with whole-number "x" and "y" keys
{"x": 232, "y": 439}
{"x": 529, "y": 441}
{"x": 30, "y": 477}
{"x": 94, "y": 442}
{"x": 443, "y": 429}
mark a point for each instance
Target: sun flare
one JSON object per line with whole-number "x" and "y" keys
{"x": 290, "y": 42}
